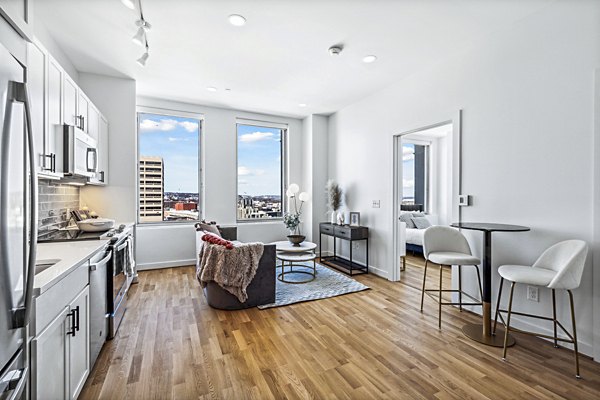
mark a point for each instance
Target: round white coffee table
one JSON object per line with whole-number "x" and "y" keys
{"x": 288, "y": 247}
{"x": 290, "y": 258}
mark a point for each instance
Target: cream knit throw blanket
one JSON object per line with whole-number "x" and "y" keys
{"x": 233, "y": 269}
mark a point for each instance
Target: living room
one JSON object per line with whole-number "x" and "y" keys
{"x": 273, "y": 178}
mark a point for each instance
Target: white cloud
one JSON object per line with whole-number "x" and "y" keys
{"x": 243, "y": 171}
{"x": 256, "y": 137}
{"x": 407, "y": 153}
{"x": 189, "y": 126}
{"x": 408, "y": 182}
{"x": 164, "y": 125}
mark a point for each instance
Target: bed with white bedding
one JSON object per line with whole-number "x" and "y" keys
{"x": 414, "y": 235}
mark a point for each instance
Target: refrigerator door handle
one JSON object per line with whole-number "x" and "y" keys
{"x": 18, "y": 93}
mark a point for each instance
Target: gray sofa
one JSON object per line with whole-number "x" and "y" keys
{"x": 260, "y": 291}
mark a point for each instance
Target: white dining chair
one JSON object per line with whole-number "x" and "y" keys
{"x": 447, "y": 246}
{"x": 559, "y": 267}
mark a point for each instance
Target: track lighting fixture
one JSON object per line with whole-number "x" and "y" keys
{"x": 142, "y": 60}
{"x": 140, "y": 37}
{"x": 129, "y": 4}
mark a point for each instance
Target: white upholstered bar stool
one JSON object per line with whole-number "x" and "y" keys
{"x": 559, "y": 267}
{"x": 447, "y": 246}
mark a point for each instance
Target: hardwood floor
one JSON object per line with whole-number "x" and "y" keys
{"x": 367, "y": 345}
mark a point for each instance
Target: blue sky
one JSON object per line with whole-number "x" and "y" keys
{"x": 175, "y": 139}
{"x": 259, "y": 160}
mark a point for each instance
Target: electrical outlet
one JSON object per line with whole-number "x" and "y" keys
{"x": 532, "y": 293}
{"x": 376, "y": 203}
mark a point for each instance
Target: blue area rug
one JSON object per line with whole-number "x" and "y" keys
{"x": 328, "y": 283}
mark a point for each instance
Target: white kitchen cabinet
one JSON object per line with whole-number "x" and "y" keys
{"x": 36, "y": 84}
{"x": 79, "y": 344}
{"x": 83, "y": 104}
{"x": 93, "y": 124}
{"x": 101, "y": 177}
{"x": 18, "y": 14}
{"x": 50, "y": 356}
{"x": 55, "y": 112}
{"x": 69, "y": 101}
{"x": 60, "y": 348}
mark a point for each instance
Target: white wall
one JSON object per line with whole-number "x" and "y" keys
{"x": 596, "y": 244}
{"x": 527, "y": 135}
{"x": 115, "y": 98}
{"x": 41, "y": 33}
{"x": 176, "y": 241}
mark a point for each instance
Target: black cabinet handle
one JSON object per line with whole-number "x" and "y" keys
{"x": 76, "y": 326}
{"x": 71, "y": 315}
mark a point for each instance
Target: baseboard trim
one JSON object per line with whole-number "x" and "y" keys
{"x": 165, "y": 264}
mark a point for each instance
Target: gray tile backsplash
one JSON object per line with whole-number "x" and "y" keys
{"x": 54, "y": 201}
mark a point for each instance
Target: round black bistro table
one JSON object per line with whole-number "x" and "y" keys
{"x": 478, "y": 332}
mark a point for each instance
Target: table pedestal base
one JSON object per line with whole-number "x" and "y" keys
{"x": 475, "y": 332}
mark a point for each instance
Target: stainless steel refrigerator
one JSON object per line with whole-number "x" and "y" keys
{"x": 18, "y": 224}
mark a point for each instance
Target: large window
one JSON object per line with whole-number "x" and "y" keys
{"x": 260, "y": 161}
{"x": 169, "y": 166}
{"x": 415, "y": 179}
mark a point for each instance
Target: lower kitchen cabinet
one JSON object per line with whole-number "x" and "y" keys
{"x": 60, "y": 353}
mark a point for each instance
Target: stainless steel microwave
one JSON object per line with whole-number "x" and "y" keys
{"x": 79, "y": 152}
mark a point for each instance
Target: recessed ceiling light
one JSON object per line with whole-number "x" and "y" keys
{"x": 237, "y": 20}
{"x": 211, "y": 89}
{"x": 369, "y": 59}
{"x": 129, "y": 4}
{"x": 302, "y": 105}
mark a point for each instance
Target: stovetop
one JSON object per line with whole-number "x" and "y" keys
{"x": 74, "y": 234}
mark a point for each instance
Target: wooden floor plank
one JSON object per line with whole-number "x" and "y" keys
{"x": 374, "y": 344}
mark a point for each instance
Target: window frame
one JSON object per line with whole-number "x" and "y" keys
{"x": 283, "y": 166}
{"x": 181, "y": 114}
{"x": 428, "y": 181}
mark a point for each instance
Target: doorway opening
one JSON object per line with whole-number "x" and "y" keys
{"x": 426, "y": 187}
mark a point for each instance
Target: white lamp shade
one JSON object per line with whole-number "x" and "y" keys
{"x": 288, "y": 193}
{"x": 304, "y": 196}
{"x": 293, "y": 188}
{"x": 140, "y": 37}
{"x": 142, "y": 60}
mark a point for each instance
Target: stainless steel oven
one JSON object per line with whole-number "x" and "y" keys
{"x": 120, "y": 277}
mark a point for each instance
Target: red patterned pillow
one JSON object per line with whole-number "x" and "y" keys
{"x": 214, "y": 239}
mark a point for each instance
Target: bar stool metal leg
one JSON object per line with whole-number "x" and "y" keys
{"x": 575, "y": 347}
{"x": 498, "y": 306}
{"x": 424, "y": 280}
{"x": 510, "y": 299}
{"x": 479, "y": 280}
{"x": 459, "y": 287}
{"x": 440, "y": 299}
{"x": 554, "y": 317}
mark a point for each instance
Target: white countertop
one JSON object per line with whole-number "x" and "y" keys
{"x": 70, "y": 254}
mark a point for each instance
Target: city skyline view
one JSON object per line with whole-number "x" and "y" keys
{"x": 176, "y": 141}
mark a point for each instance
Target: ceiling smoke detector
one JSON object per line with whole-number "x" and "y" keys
{"x": 335, "y": 50}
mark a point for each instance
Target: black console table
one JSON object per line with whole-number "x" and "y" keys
{"x": 344, "y": 232}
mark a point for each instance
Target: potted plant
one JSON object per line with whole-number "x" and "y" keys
{"x": 291, "y": 219}
{"x": 334, "y": 199}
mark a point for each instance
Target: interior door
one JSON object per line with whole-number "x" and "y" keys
{"x": 12, "y": 207}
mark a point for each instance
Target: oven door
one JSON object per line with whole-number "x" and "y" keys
{"x": 119, "y": 277}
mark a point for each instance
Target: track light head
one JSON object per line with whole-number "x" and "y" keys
{"x": 142, "y": 60}
{"x": 142, "y": 23}
{"x": 140, "y": 37}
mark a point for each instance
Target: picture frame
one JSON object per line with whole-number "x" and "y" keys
{"x": 354, "y": 219}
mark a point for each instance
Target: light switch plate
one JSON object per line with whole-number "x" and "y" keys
{"x": 376, "y": 203}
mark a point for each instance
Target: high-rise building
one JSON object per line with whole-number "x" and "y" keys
{"x": 152, "y": 189}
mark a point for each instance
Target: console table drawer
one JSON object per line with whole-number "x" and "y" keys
{"x": 327, "y": 229}
{"x": 343, "y": 232}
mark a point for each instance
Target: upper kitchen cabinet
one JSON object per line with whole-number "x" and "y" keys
{"x": 18, "y": 14}
{"x": 93, "y": 121}
{"x": 101, "y": 176}
{"x": 69, "y": 101}
{"x": 54, "y": 96}
{"x": 83, "y": 104}
{"x": 41, "y": 83}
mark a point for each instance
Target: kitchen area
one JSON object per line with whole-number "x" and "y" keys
{"x": 66, "y": 271}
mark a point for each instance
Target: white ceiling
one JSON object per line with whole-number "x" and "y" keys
{"x": 279, "y": 58}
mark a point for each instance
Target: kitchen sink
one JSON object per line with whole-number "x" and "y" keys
{"x": 42, "y": 265}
